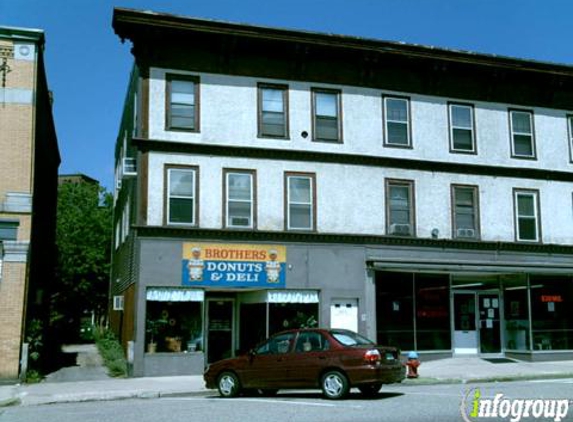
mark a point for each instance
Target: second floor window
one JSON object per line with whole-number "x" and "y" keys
{"x": 462, "y": 136}
{"x": 273, "y": 106}
{"x": 522, "y": 138}
{"x": 400, "y": 207}
{"x": 300, "y": 201}
{"x": 465, "y": 212}
{"x": 182, "y": 106}
{"x": 181, "y": 201}
{"x": 526, "y": 215}
{"x": 240, "y": 199}
{"x": 570, "y": 132}
{"x": 327, "y": 124}
{"x": 397, "y": 121}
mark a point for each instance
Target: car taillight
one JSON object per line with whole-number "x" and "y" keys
{"x": 372, "y": 356}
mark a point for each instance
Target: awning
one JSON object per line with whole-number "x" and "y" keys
{"x": 175, "y": 295}
{"x": 481, "y": 267}
{"x": 292, "y": 296}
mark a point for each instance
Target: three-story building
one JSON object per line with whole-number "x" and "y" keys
{"x": 270, "y": 178}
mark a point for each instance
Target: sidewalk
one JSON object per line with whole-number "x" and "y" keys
{"x": 454, "y": 370}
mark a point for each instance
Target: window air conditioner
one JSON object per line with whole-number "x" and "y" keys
{"x": 471, "y": 233}
{"x": 118, "y": 303}
{"x": 129, "y": 166}
{"x": 400, "y": 229}
{"x": 240, "y": 222}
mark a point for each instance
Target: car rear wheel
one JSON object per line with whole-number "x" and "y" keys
{"x": 228, "y": 385}
{"x": 370, "y": 390}
{"x": 334, "y": 385}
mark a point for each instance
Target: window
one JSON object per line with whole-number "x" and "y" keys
{"x": 182, "y": 103}
{"x": 273, "y": 109}
{"x": 400, "y": 207}
{"x": 300, "y": 202}
{"x": 570, "y": 132}
{"x": 462, "y": 137}
{"x": 527, "y": 215}
{"x": 326, "y": 115}
{"x": 522, "y": 139}
{"x": 397, "y": 121}
{"x": 181, "y": 202}
{"x": 240, "y": 198}
{"x": 465, "y": 212}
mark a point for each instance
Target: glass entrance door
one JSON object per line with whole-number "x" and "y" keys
{"x": 465, "y": 333}
{"x": 489, "y": 322}
{"x": 219, "y": 329}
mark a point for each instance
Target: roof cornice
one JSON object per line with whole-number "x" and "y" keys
{"x": 131, "y": 23}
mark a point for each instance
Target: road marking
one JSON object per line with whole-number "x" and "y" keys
{"x": 555, "y": 380}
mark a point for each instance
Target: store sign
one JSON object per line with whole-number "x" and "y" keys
{"x": 234, "y": 265}
{"x": 551, "y": 298}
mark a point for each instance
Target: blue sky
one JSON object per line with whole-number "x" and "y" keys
{"x": 88, "y": 67}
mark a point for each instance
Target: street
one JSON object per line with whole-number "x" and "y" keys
{"x": 440, "y": 403}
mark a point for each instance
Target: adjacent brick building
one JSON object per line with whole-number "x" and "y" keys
{"x": 28, "y": 190}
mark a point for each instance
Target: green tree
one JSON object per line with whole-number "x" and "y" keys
{"x": 83, "y": 239}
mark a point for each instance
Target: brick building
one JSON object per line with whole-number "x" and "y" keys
{"x": 28, "y": 190}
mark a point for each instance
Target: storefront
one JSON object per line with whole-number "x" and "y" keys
{"x": 522, "y": 315}
{"x": 229, "y": 298}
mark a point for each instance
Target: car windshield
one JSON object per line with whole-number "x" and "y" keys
{"x": 349, "y": 338}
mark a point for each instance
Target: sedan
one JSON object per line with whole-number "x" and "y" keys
{"x": 333, "y": 360}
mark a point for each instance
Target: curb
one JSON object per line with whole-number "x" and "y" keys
{"x": 110, "y": 396}
{"x": 437, "y": 381}
{"x": 12, "y": 401}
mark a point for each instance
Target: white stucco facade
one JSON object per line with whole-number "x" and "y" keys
{"x": 351, "y": 198}
{"x": 228, "y": 107}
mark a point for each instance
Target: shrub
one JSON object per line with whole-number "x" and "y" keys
{"x": 111, "y": 353}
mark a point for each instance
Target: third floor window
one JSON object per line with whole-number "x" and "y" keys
{"x": 273, "y": 111}
{"x": 397, "y": 122}
{"x": 522, "y": 134}
{"x": 326, "y": 119}
{"x": 182, "y": 105}
{"x": 462, "y": 136}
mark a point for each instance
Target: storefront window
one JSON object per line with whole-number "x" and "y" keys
{"x": 432, "y": 312}
{"x": 284, "y": 316}
{"x": 551, "y": 312}
{"x": 516, "y": 313}
{"x": 395, "y": 309}
{"x": 253, "y": 325}
{"x": 174, "y": 325}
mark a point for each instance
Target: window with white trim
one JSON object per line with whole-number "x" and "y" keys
{"x": 527, "y": 215}
{"x": 522, "y": 136}
{"x": 397, "y": 121}
{"x": 462, "y": 135}
{"x": 240, "y": 199}
{"x": 181, "y": 196}
{"x": 300, "y": 201}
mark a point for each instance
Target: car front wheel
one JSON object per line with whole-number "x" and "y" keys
{"x": 334, "y": 385}
{"x": 228, "y": 385}
{"x": 370, "y": 390}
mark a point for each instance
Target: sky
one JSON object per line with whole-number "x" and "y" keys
{"x": 88, "y": 66}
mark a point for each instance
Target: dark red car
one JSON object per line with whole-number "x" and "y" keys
{"x": 333, "y": 360}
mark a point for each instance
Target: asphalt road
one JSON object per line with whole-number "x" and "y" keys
{"x": 439, "y": 403}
